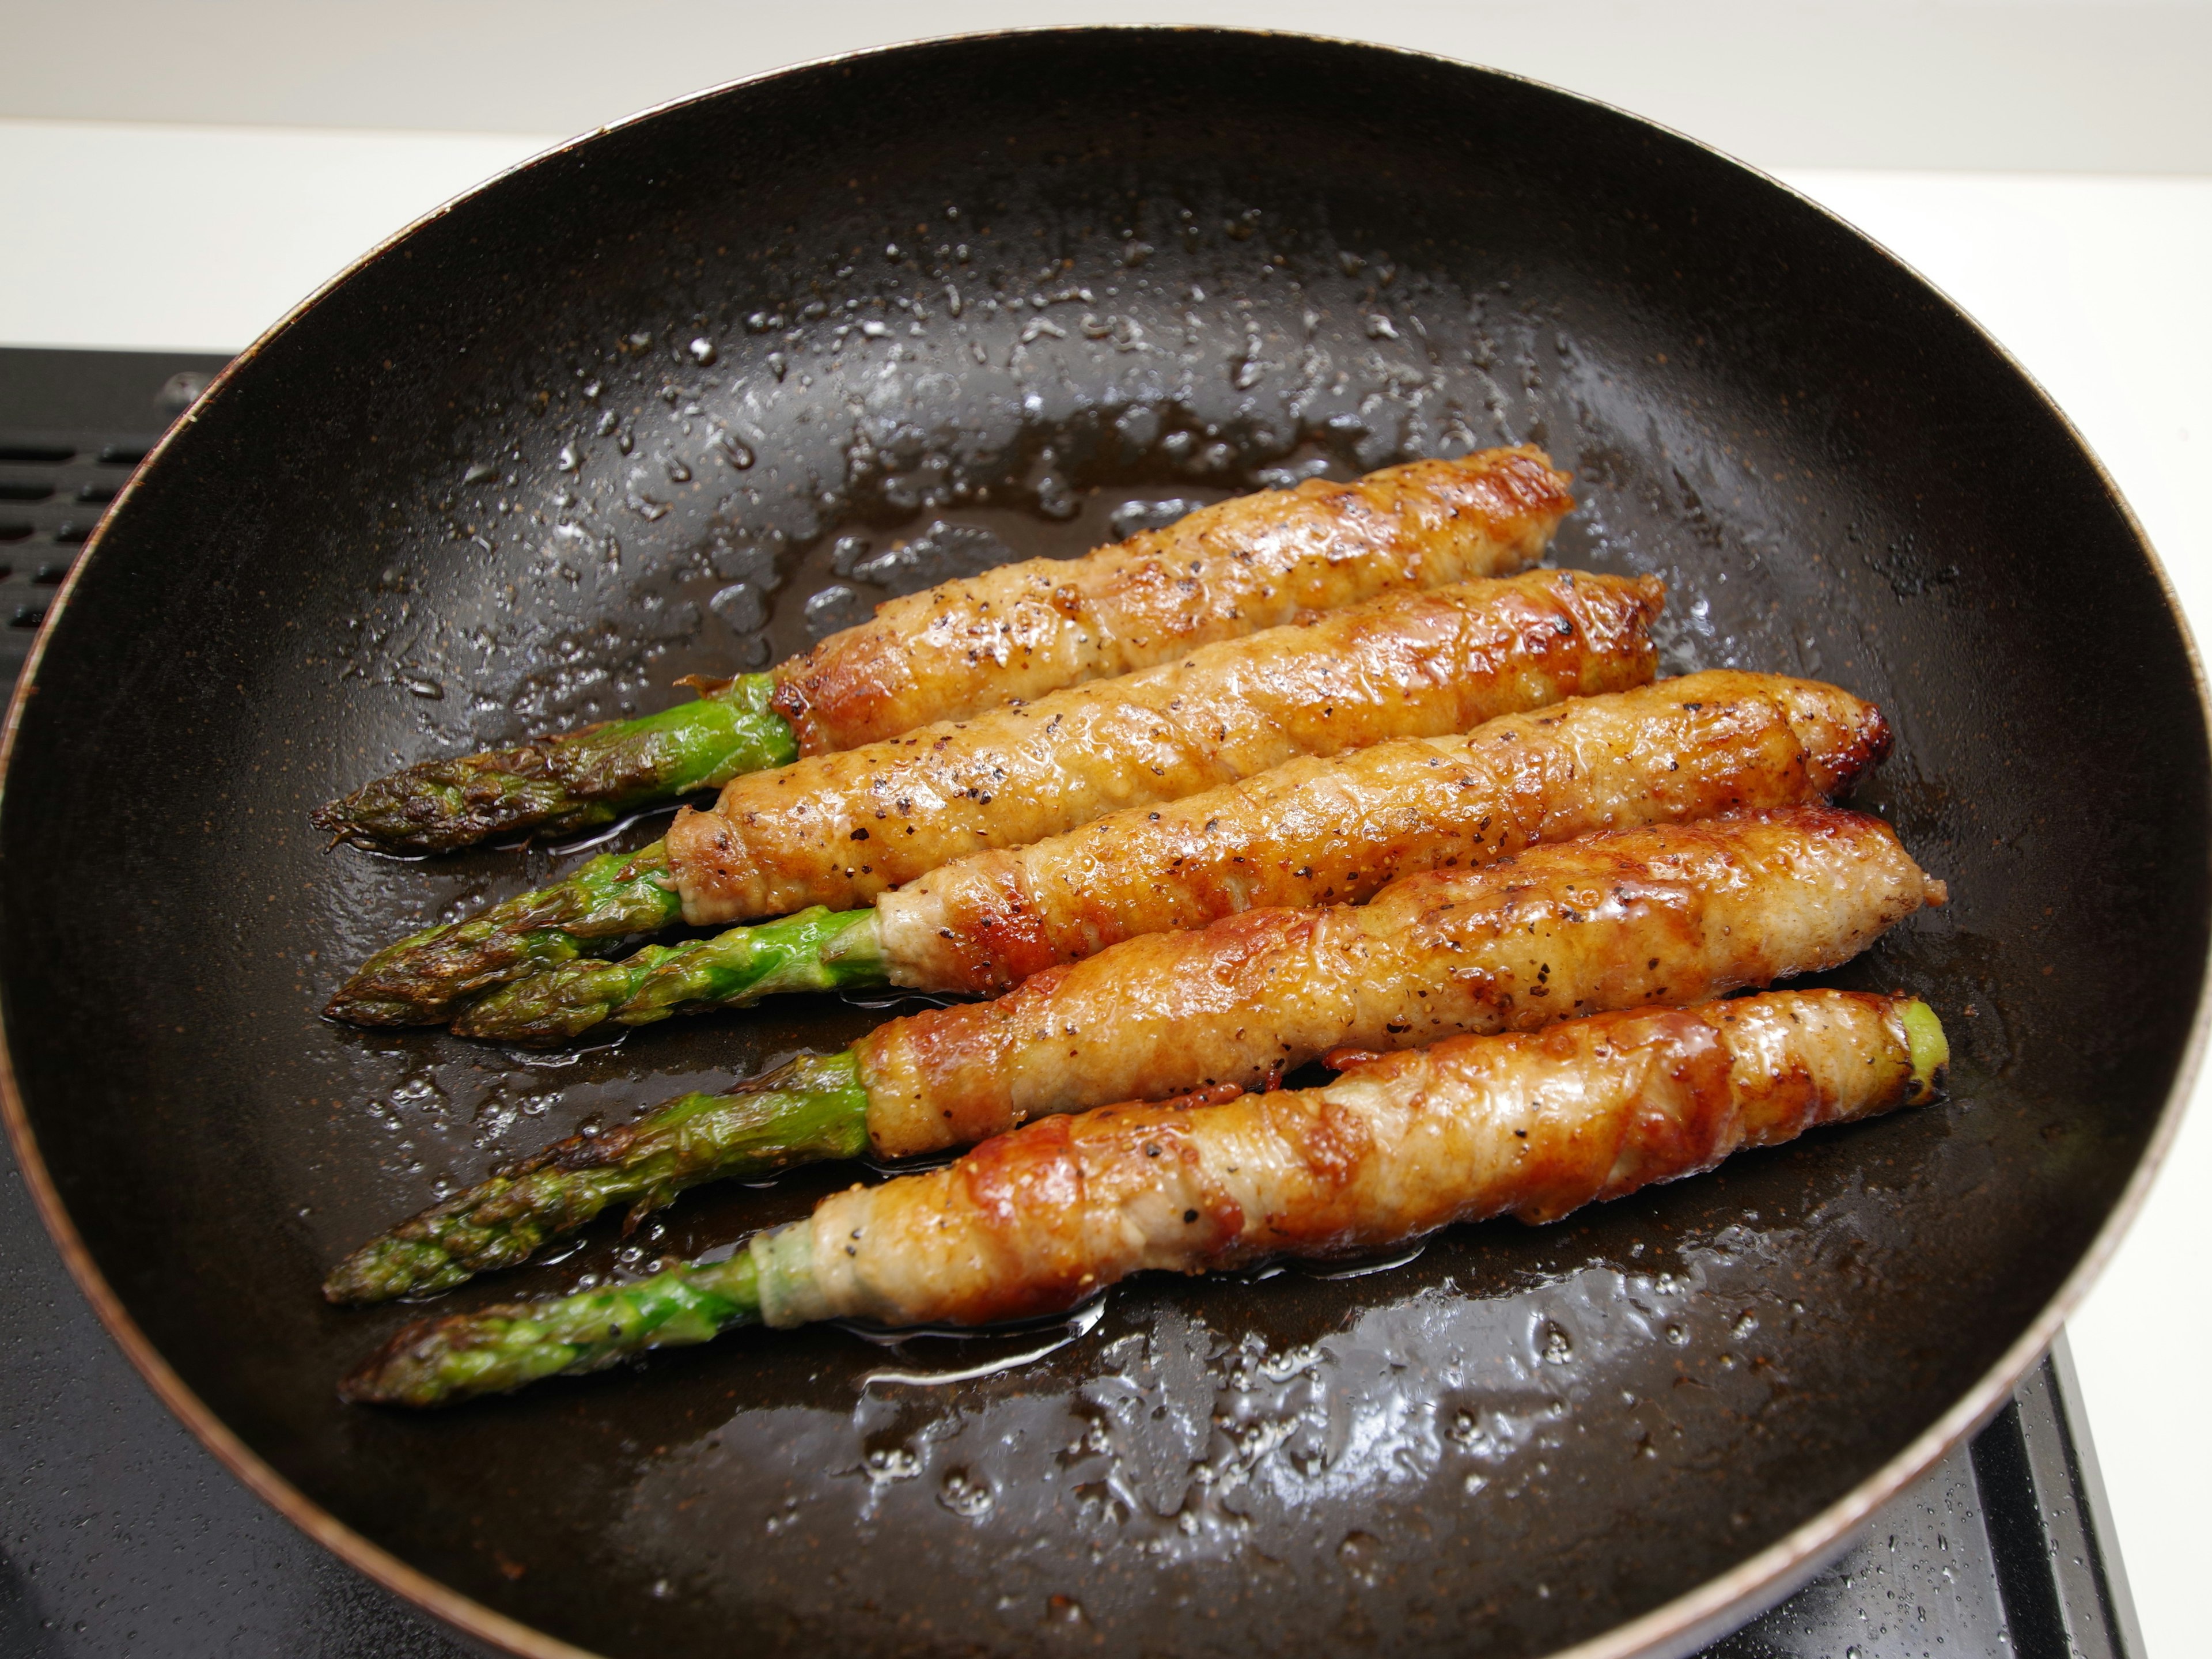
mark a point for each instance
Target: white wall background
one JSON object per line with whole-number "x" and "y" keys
{"x": 2115, "y": 86}
{"x": 179, "y": 174}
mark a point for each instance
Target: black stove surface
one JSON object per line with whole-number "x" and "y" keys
{"x": 120, "y": 1535}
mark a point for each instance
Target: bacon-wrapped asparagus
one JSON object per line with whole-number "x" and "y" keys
{"x": 963, "y": 647}
{"x": 838, "y": 830}
{"x": 1032, "y": 1222}
{"x": 1309, "y": 832}
{"x": 1665, "y": 913}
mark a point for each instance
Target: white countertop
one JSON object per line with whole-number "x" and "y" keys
{"x": 200, "y": 237}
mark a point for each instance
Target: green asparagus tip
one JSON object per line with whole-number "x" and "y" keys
{"x": 438, "y": 1362}
{"x": 815, "y": 949}
{"x": 1930, "y": 1052}
{"x": 562, "y": 785}
{"x": 812, "y": 1108}
{"x": 557, "y": 1005}
{"x": 425, "y": 979}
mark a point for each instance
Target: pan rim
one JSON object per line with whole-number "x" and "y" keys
{"x": 1674, "y": 1626}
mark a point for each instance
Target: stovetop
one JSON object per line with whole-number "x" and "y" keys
{"x": 120, "y": 1535}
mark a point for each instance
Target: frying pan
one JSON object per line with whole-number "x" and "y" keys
{"x": 661, "y": 402}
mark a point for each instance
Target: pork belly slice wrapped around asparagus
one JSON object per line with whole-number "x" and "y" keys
{"x": 1672, "y": 913}
{"x": 1233, "y": 568}
{"x": 1664, "y": 914}
{"x": 1035, "y": 1221}
{"x": 964, "y": 646}
{"x": 840, "y": 829}
{"x": 1311, "y": 831}
{"x": 837, "y": 829}
{"x": 1339, "y": 830}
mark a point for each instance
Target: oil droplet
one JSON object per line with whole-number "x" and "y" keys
{"x": 1061, "y": 1332}
{"x": 966, "y": 1497}
{"x": 1557, "y": 1348}
{"x": 741, "y": 607}
{"x": 833, "y": 608}
{"x": 1747, "y": 1323}
{"x": 1363, "y": 1266}
{"x": 887, "y": 1464}
{"x": 1677, "y": 1336}
{"x": 1361, "y": 1555}
{"x": 1131, "y": 517}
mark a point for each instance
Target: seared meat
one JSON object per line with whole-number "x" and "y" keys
{"x": 1258, "y": 561}
{"x": 1531, "y": 1125}
{"x": 1668, "y": 913}
{"x": 1035, "y": 1221}
{"x": 1312, "y": 831}
{"x": 837, "y": 829}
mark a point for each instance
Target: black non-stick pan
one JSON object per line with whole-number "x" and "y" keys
{"x": 650, "y": 405}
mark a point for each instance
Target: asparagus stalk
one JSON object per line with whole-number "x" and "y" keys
{"x": 1725, "y": 903}
{"x": 815, "y": 950}
{"x": 563, "y": 784}
{"x": 814, "y": 1108}
{"x": 1681, "y": 750}
{"x": 504, "y": 1347}
{"x": 426, "y": 978}
{"x": 1033, "y": 1222}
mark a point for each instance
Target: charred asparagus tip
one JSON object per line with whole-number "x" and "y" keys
{"x": 425, "y": 978}
{"x": 815, "y": 949}
{"x": 564, "y": 784}
{"x": 1930, "y": 1050}
{"x": 554, "y": 1005}
{"x": 814, "y": 1108}
{"x": 436, "y": 1362}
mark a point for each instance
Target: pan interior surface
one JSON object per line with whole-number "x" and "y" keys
{"x": 683, "y": 396}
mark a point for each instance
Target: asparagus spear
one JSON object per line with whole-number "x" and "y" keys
{"x": 428, "y": 976}
{"x": 1014, "y": 633}
{"x": 563, "y": 784}
{"x": 815, "y": 950}
{"x": 1308, "y": 832}
{"x": 1717, "y": 906}
{"x": 840, "y": 829}
{"x": 814, "y": 1108}
{"x": 1036, "y": 1220}
{"x": 502, "y": 1348}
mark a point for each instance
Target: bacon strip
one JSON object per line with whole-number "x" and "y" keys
{"x": 1669, "y": 914}
{"x": 1317, "y": 831}
{"x": 1532, "y": 1125}
{"x": 838, "y": 830}
{"x": 1258, "y": 561}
